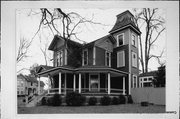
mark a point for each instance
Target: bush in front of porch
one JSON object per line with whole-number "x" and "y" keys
{"x": 75, "y": 99}
{"x": 92, "y": 101}
{"x": 105, "y": 100}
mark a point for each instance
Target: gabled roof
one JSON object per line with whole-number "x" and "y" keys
{"x": 27, "y": 78}
{"x": 124, "y": 21}
{"x": 151, "y": 73}
{"x": 91, "y": 44}
{"x": 58, "y": 38}
{"x": 42, "y": 68}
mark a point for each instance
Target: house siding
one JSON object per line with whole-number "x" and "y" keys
{"x": 100, "y": 56}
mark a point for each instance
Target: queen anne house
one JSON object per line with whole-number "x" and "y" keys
{"x": 108, "y": 65}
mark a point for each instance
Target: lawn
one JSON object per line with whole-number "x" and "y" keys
{"x": 123, "y": 108}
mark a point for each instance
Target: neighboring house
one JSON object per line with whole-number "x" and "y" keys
{"x": 146, "y": 79}
{"x": 108, "y": 65}
{"x": 28, "y": 85}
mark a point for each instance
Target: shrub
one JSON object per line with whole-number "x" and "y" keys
{"x": 130, "y": 100}
{"x": 49, "y": 101}
{"x": 75, "y": 99}
{"x": 43, "y": 101}
{"x": 56, "y": 100}
{"x": 115, "y": 101}
{"x": 144, "y": 103}
{"x": 122, "y": 99}
{"x": 92, "y": 101}
{"x": 105, "y": 100}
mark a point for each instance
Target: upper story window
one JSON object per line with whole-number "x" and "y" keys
{"x": 134, "y": 59}
{"x": 108, "y": 59}
{"x": 85, "y": 57}
{"x": 120, "y": 59}
{"x": 120, "y": 39}
{"x": 134, "y": 41}
{"x": 59, "y": 60}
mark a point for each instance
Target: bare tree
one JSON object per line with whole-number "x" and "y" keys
{"x": 23, "y": 49}
{"x": 154, "y": 27}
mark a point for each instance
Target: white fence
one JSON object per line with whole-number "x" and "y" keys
{"x": 150, "y": 94}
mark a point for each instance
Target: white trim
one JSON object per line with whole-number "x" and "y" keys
{"x": 124, "y": 85}
{"x": 59, "y": 82}
{"x": 48, "y": 83}
{"x": 65, "y": 56}
{"x": 118, "y": 39}
{"x": 109, "y": 83}
{"x": 79, "y": 82}
{"x": 94, "y": 55}
{"x": 74, "y": 82}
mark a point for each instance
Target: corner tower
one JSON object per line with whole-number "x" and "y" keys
{"x": 125, "y": 52}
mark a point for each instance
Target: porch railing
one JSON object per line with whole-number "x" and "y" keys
{"x": 87, "y": 90}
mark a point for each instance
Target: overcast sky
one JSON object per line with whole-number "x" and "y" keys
{"x": 27, "y": 25}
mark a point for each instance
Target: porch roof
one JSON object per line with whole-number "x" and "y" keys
{"x": 83, "y": 69}
{"x": 56, "y": 70}
{"x": 101, "y": 69}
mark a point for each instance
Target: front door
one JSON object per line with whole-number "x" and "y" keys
{"x": 94, "y": 82}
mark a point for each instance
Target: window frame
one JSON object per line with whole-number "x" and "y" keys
{"x": 118, "y": 39}
{"x": 134, "y": 61}
{"x": 85, "y": 50}
{"x": 123, "y": 53}
{"x": 135, "y": 82}
{"x": 59, "y": 58}
{"x": 109, "y": 56}
{"x": 135, "y": 40}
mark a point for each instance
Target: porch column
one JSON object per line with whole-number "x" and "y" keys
{"x": 109, "y": 83}
{"x": 124, "y": 86}
{"x": 74, "y": 83}
{"x": 59, "y": 82}
{"x": 65, "y": 83}
{"x": 129, "y": 83}
{"x": 79, "y": 82}
{"x": 39, "y": 85}
{"x": 48, "y": 83}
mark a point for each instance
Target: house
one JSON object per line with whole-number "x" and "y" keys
{"x": 108, "y": 65}
{"x": 146, "y": 79}
{"x": 28, "y": 85}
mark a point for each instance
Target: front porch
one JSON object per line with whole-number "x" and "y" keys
{"x": 87, "y": 81}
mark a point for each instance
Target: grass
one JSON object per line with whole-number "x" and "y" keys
{"x": 123, "y": 108}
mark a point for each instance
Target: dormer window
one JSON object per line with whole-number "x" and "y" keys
{"x": 85, "y": 57}
{"x": 107, "y": 59}
{"x": 120, "y": 40}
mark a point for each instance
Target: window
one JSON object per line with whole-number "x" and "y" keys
{"x": 134, "y": 81}
{"x": 134, "y": 59}
{"x": 108, "y": 58}
{"x": 85, "y": 57}
{"x": 120, "y": 59}
{"x": 59, "y": 58}
{"x": 120, "y": 39}
{"x": 145, "y": 79}
{"x": 134, "y": 43}
{"x": 150, "y": 79}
